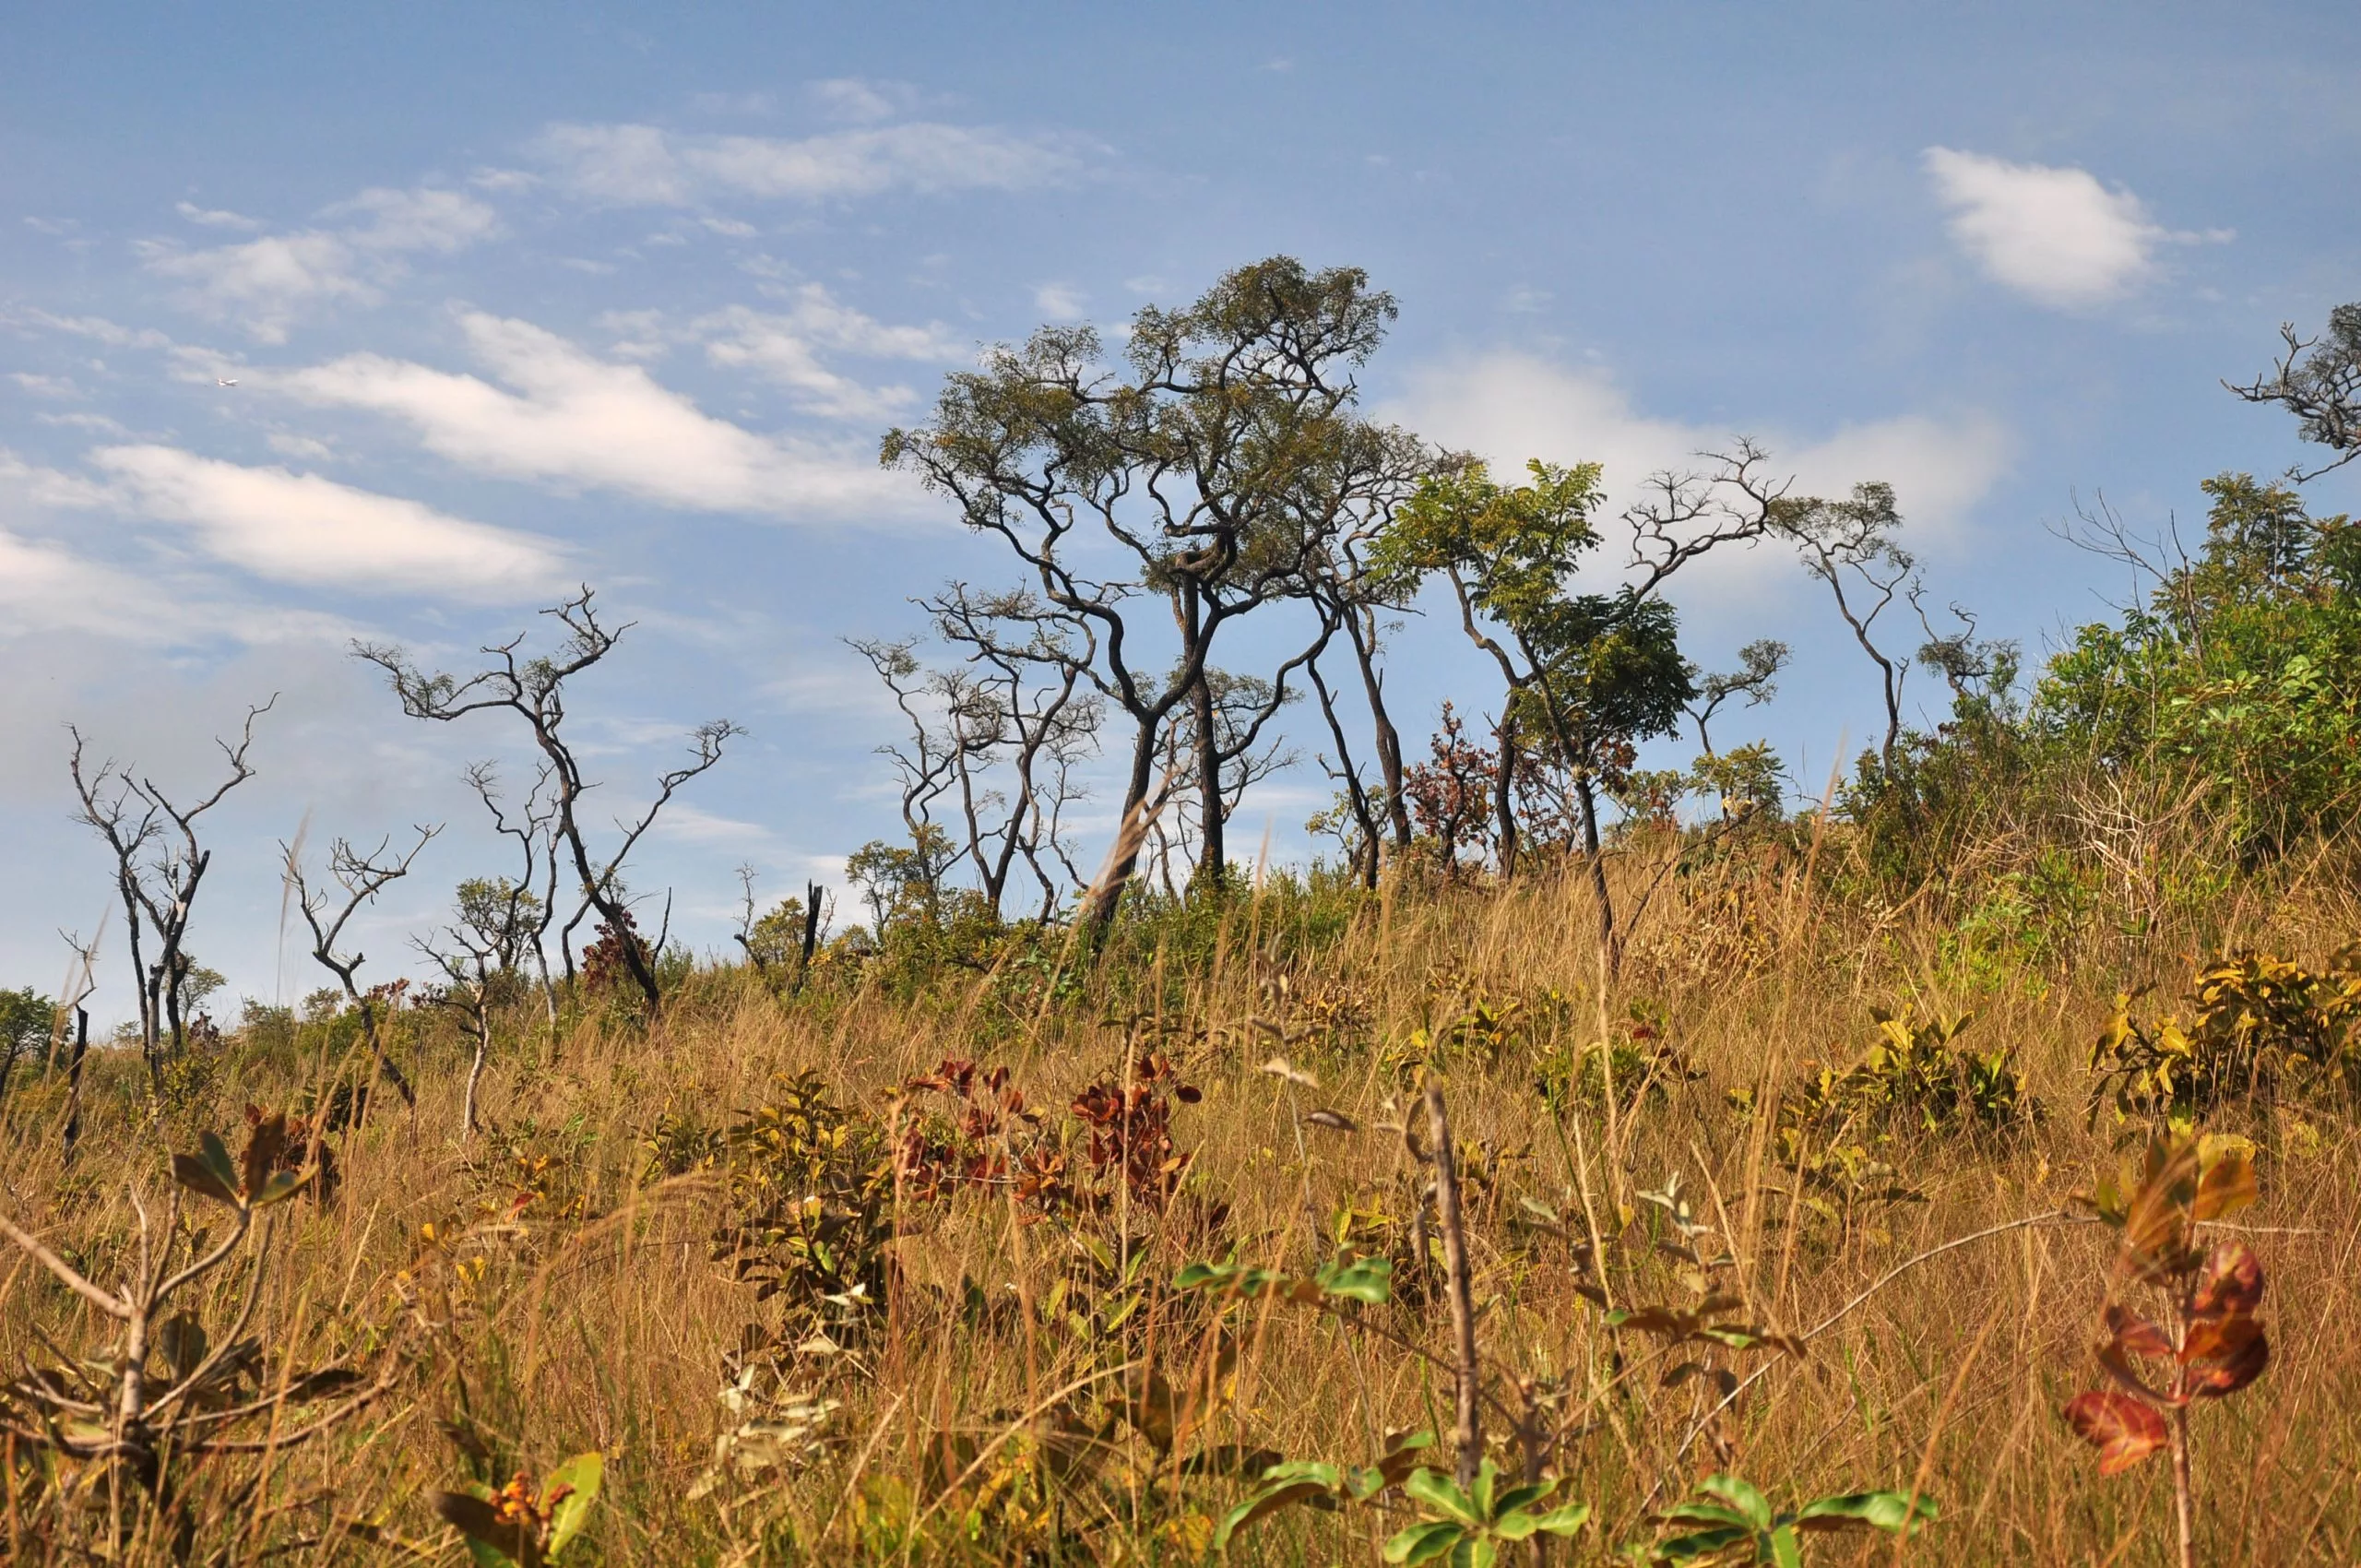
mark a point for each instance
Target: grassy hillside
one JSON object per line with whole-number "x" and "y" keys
{"x": 817, "y": 1291}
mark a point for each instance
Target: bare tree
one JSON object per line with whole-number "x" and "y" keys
{"x": 1755, "y": 678}
{"x": 1850, "y": 546}
{"x": 534, "y": 689}
{"x": 159, "y": 866}
{"x": 360, "y": 878}
{"x": 527, "y": 913}
{"x": 2318, "y": 381}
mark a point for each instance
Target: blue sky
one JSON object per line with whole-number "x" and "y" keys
{"x": 520, "y": 295}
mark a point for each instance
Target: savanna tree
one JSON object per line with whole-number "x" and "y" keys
{"x": 1851, "y": 545}
{"x": 158, "y": 865}
{"x": 1587, "y": 674}
{"x": 360, "y": 878}
{"x": 534, "y": 690}
{"x": 2318, "y": 381}
{"x": 1191, "y": 486}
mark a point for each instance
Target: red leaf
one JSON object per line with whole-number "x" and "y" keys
{"x": 2124, "y": 1430}
{"x": 2229, "y": 1282}
{"x": 2136, "y": 1334}
{"x": 2240, "y": 1361}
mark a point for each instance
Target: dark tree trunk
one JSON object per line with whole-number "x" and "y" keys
{"x": 1389, "y": 739}
{"x": 1212, "y": 862}
{"x": 1589, "y": 798}
{"x": 1504, "y": 795}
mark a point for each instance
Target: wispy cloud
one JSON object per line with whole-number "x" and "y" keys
{"x": 302, "y": 528}
{"x": 629, "y": 165}
{"x": 562, "y": 417}
{"x": 787, "y": 346}
{"x": 2055, "y": 234}
{"x": 269, "y": 283}
{"x": 216, "y": 218}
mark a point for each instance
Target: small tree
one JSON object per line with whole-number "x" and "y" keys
{"x": 1850, "y": 546}
{"x": 361, "y": 878}
{"x": 158, "y": 865}
{"x": 534, "y": 689}
{"x": 481, "y": 954}
{"x": 1587, "y": 675}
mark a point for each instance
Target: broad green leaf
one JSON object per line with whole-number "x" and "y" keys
{"x": 1363, "y": 1279}
{"x": 1787, "y": 1547}
{"x": 1741, "y": 1496}
{"x": 1700, "y": 1543}
{"x": 1523, "y": 1496}
{"x": 1562, "y": 1521}
{"x": 1474, "y": 1551}
{"x": 193, "y": 1173}
{"x": 1425, "y": 1542}
{"x": 1694, "y": 1513}
{"x": 280, "y": 1184}
{"x": 583, "y": 1473}
{"x": 1884, "y": 1510}
{"x": 1439, "y": 1493}
{"x": 1272, "y": 1497}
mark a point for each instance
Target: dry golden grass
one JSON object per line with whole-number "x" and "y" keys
{"x": 599, "y": 1319}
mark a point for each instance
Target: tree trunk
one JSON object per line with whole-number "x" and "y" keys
{"x": 1503, "y": 795}
{"x": 1389, "y": 739}
{"x": 1107, "y": 893}
{"x": 1212, "y": 862}
{"x": 1365, "y": 820}
{"x": 1607, "y": 941}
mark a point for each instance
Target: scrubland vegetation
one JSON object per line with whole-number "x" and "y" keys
{"x": 1589, "y": 1165}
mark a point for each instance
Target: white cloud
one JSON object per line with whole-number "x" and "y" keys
{"x": 216, "y": 218}
{"x": 46, "y": 588}
{"x": 45, "y": 385}
{"x": 576, "y": 421}
{"x": 1061, "y": 302}
{"x": 422, "y": 220}
{"x": 862, "y": 100}
{"x": 302, "y": 528}
{"x": 1509, "y": 407}
{"x": 267, "y": 284}
{"x": 647, "y": 166}
{"x": 786, "y": 347}
{"x": 2053, "y": 234}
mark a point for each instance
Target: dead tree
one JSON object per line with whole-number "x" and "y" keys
{"x": 1853, "y": 542}
{"x": 997, "y": 741}
{"x": 525, "y": 911}
{"x": 534, "y": 689}
{"x": 158, "y": 865}
{"x": 361, "y": 878}
{"x": 2318, "y": 381}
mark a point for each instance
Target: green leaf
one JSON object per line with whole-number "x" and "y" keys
{"x": 1562, "y": 1521}
{"x": 1362, "y": 1279}
{"x": 1523, "y": 1496}
{"x": 1741, "y": 1496}
{"x": 1884, "y": 1510}
{"x": 1423, "y": 1543}
{"x": 583, "y": 1473}
{"x": 1786, "y": 1549}
{"x": 199, "y": 1177}
{"x": 1298, "y": 1481}
{"x": 1701, "y": 1543}
{"x": 1475, "y": 1552}
{"x": 1443, "y": 1497}
{"x": 1707, "y": 1513}
{"x": 281, "y": 1184}
{"x": 1480, "y": 1494}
